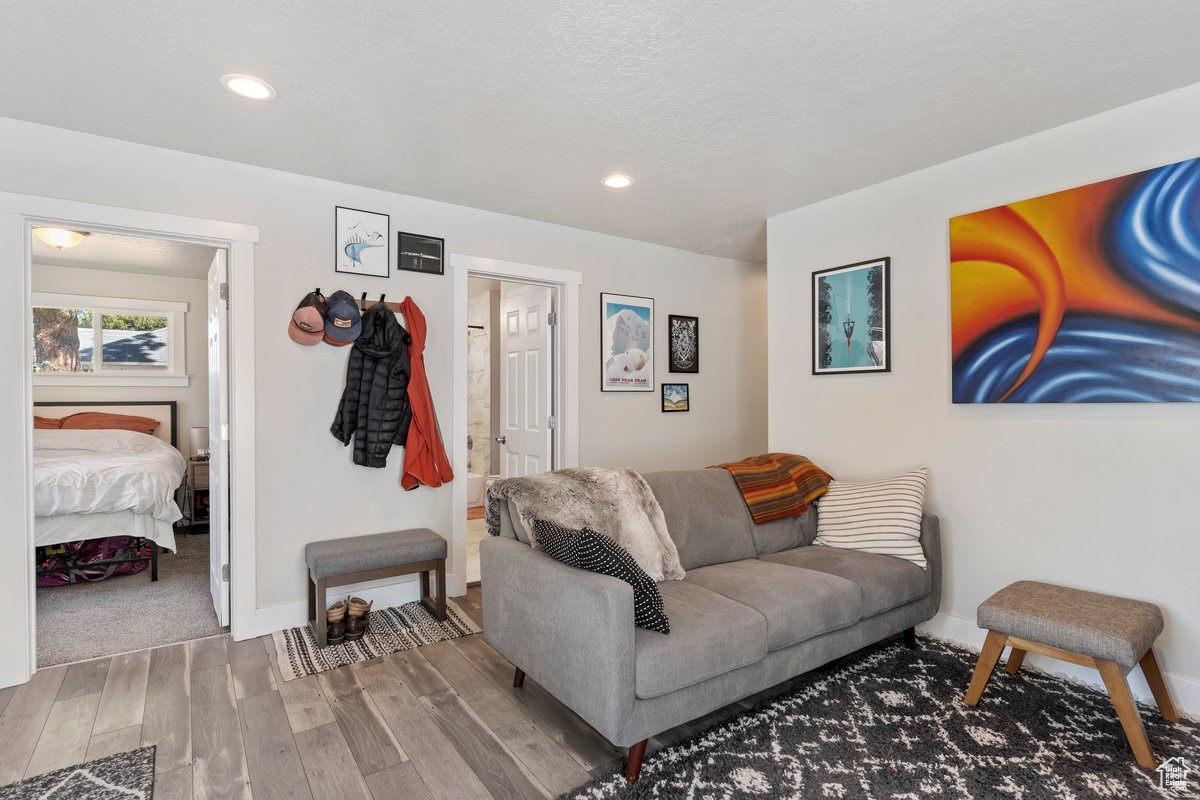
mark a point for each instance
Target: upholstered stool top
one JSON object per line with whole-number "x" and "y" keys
{"x": 373, "y": 551}
{"x": 1098, "y": 625}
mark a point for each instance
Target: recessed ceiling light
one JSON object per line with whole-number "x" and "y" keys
{"x": 617, "y": 181}
{"x": 249, "y": 86}
{"x": 59, "y": 237}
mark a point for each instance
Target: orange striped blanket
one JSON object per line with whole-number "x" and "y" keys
{"x": 777, "y": 485}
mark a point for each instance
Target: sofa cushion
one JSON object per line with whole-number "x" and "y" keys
{"x": 885, "y": 581}
{"x": 798, "y": 604}
{"x": 706, "y": 516}
{"x": 595, "y": 552}
{"x": 875, "y": 516}
{"x": 710, "y": 635}
{"x": 784, "y": 534}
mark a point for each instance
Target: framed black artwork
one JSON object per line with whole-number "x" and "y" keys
{"x": 421, "y": 253}
{"x": 683, "y": 343}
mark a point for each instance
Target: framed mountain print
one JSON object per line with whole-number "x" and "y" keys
{"x": 626, "y": 343}
{"x": 363, "y": 244}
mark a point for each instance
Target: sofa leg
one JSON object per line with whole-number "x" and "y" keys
{"x": 910, "y": 638}
{"x": 633, "y": 764}
{"x": 518, "y": 678}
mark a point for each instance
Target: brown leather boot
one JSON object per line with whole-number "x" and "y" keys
{"x": 358, "y": 618}
{"x": 335, "y": 618}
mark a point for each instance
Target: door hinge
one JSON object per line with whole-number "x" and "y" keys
{"x": 552, "y": 318}
{"x": 224, "y": 291}
{"x": 552, "y": 423}
{"x": 225, "y": 573}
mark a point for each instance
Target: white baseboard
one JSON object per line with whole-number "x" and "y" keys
{"x": 1185, "y": 692}
{"x": 386, "y": 592}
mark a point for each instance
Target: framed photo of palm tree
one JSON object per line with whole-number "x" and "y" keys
{"x": 852, "y": 318}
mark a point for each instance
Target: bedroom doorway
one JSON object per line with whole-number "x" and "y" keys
{"x": 517, "y": 386}
{"x": 131, "y": 397}
{"x": 511, "y": 402}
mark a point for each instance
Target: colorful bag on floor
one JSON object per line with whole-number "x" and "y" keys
{"x": 62, "y": 564}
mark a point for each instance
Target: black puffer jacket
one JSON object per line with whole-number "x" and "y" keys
{"x": 374, "y": 408}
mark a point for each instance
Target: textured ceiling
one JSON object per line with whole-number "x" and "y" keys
{"x": 136, "y": 254}
{"x": 725, "y": 112}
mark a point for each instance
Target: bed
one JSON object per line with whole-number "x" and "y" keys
{"x": 112, "y": 489}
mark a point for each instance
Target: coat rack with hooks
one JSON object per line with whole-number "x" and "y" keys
{"x": 364, "y": 303}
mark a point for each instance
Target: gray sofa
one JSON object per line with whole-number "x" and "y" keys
{"x": 759, "y": 605}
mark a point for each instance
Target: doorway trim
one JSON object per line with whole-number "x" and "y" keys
{"x": 18, "y": 214}
{"x": 566, "y": 372}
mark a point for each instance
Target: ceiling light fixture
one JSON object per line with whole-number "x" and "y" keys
{"x": 60, "y": 237}
{"x": 618, "y": 181}
{"x": 249, "y": 86}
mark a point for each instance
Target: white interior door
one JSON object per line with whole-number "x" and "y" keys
{"x": 218, "y": 434}
{"x": 525, "y": 379}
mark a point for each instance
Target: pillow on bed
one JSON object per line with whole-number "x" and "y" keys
{"x": 46, "y": 423}
{"x": 97, "y": 420}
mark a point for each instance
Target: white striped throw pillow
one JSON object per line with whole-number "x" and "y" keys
{"x": 875, "y": 516}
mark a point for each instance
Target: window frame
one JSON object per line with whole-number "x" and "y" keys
{"x": 176, "y": 371}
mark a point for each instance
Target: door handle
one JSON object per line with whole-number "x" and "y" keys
{"x": 502, "y": 439}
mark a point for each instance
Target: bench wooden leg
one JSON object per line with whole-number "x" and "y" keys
{"x": 1016, "y": 657}
{"x": 319, "y": 620}
{"x": 441, "y": 589}
{"x": 518, "y": 678}
{"x": 633, "y": 763}
{"x": 1158, "y": 687}
{"x": 1131, "y": 721}
{"x": 312, "y": 603}
{"x": 993, "y": 646}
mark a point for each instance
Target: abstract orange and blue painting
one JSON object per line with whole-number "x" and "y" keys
{"x": 1089, "y": 295}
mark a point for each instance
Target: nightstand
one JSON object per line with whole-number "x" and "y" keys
{"x": 196, "y": 495}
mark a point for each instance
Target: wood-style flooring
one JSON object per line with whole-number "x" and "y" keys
{"x": 442, "y": 721}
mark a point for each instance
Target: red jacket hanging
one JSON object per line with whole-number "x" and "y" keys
{"x": 425, "y": 459}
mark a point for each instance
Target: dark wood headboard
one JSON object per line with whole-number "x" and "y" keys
{"x": 165, "y": 411}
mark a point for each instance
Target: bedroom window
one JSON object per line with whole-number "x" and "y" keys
{"x": 80, "y": 340}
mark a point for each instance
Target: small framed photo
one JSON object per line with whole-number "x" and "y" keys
{"x": 626, "y": 343}
{"x": 675, "y": 397}
{"x": 683, "y": 343}
{"x": 852, "y": 318}
{"x": 421, "y": 254}
{"x": 363, "y": 242}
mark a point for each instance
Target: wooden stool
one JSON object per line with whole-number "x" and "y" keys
{"x": 338, "y": 562}
{"x": 1112, "y": 634}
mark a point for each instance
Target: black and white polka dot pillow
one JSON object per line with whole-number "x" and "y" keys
{"x": 595, "y": 552}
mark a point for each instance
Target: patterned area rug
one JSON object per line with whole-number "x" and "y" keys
{"x": 124, "y": 776}
{"x": 392, "y": 629}
{"x": 891, "y": 724}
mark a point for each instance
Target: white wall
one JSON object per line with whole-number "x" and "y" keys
{"x": 307, "y": 487}
{"x": 1094, "y": 496}
{"x": 192, "y": 399}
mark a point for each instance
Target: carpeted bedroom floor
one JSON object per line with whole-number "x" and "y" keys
{"x": 86, "y": 620}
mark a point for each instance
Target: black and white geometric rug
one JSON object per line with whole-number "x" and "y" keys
{"x": 892, "y": 724}
{"x": 124, "y": 776}
{"x": 392, "y": 630}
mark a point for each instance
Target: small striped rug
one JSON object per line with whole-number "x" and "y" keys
{"x": 392, "y": 630}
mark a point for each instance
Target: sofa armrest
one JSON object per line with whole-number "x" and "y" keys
{"x": 569, "y": 629}
{"x": 931, "y": 543}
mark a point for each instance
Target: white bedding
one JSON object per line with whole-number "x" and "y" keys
{"x": 80, "y": 527}
{"x": 101, "y": 472}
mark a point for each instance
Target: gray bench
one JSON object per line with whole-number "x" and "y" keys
{"x": 338, "y": 562}
{"x": 1112, "y": 634}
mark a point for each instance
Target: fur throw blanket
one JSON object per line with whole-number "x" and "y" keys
{"x": 616, "y": 502}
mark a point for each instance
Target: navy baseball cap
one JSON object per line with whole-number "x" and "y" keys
{"x": 343, "y": 321}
